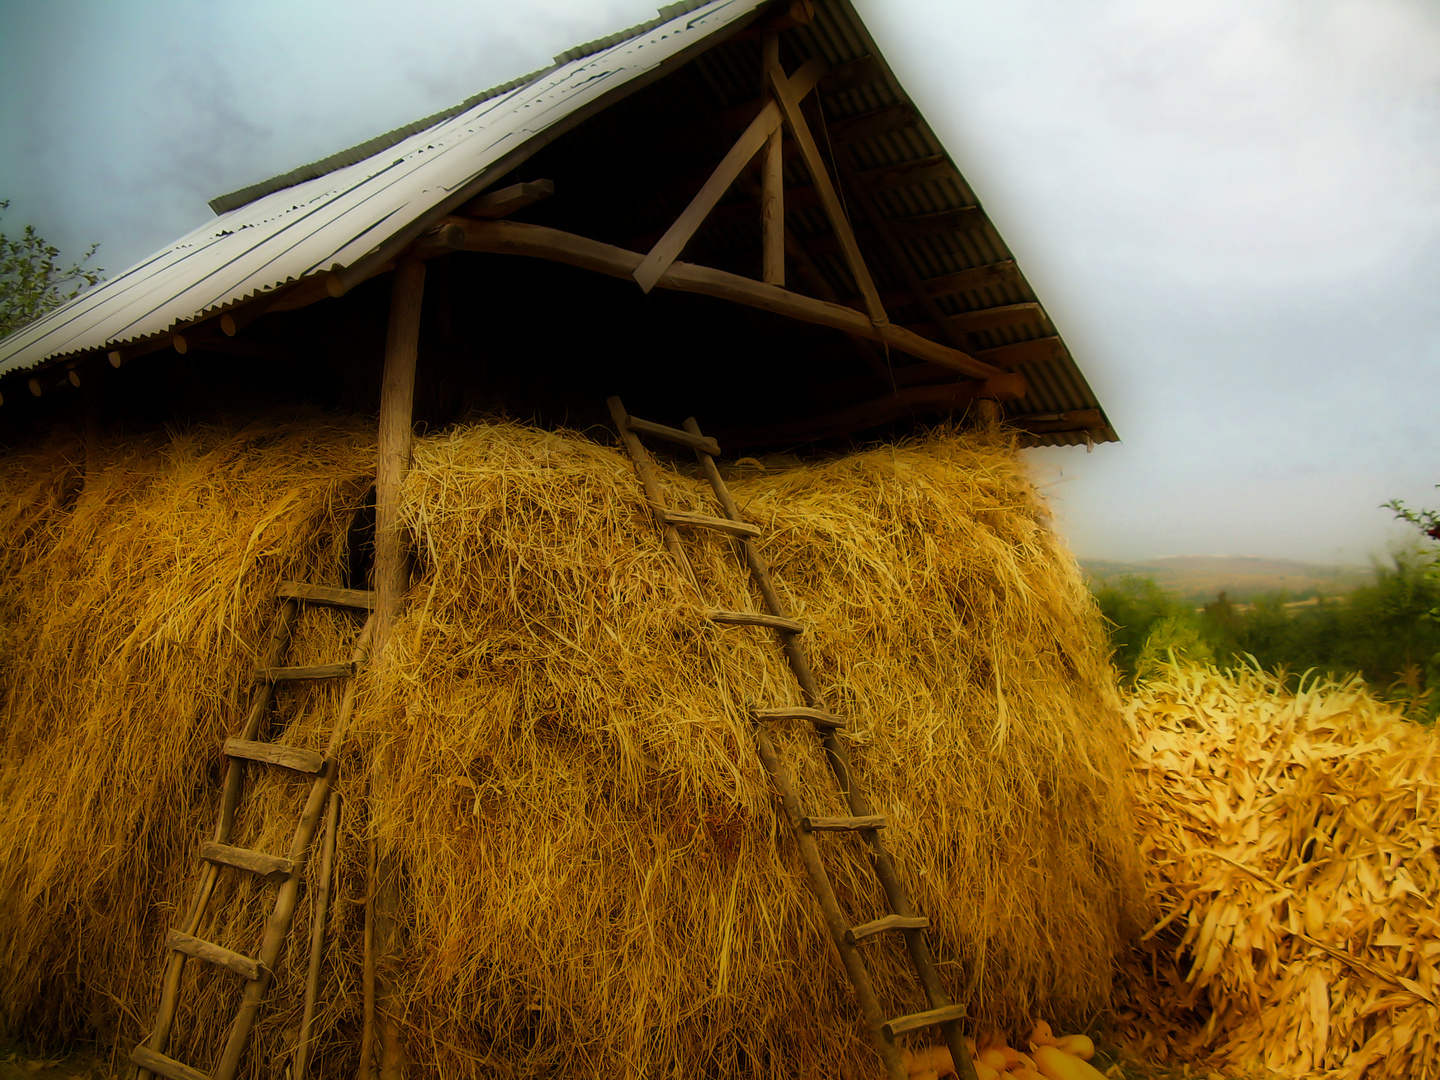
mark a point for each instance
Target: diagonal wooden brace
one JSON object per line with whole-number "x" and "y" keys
{"x": 829, "y": 199}
{"x": 667, "y": 249}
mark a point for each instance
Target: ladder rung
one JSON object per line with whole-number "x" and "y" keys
{"x": 889, "y": 922}
{"x": 800, "y": 712}
{"x": 843, "y": 824}
{"x": 257, "y": 862}
{"x": 915, "y": 1021}
{"x": 752, "y": 618}
{"x": 360, "y": 599}
{"x": 288, "y": 757}
{"x": 161, "y": 1065}
{"x": 314, "y": 671}
{"x": 214, "y": 954}
{"x": 742, "y": 529}
{"x": 675, "y": 435}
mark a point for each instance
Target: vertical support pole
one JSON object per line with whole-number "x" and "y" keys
{"x": 392, "y": 579}
{"x": 772, "y": 178}
{"x": 397, "y": 404}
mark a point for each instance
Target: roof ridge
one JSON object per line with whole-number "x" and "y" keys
{"x": 233, "y": 200}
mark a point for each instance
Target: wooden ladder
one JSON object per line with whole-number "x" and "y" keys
{"x": 286, "y": 871}
{"x": 903, "y": 917}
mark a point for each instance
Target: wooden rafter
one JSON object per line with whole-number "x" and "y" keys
{"x": 829, "y": 199}
{"x": 1004, "y": 315}
{"x": 669, "y": 246}
{"x": 979, "y": 277}
{"x": 518, "y": 238}
{"x": 880, "y": 121}
{"x": 1026, "y": 352}
{"x": 898, "y": 255}
{"x": 507, "y": 200}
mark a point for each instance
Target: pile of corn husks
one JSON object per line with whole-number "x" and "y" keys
{"x": 1291, "y": 844}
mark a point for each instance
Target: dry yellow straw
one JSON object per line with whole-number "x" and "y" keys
{"x": 596, "y": 878}
{"x": 1290, "y": 841}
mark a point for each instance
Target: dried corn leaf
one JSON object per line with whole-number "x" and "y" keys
{"x": 1291, "y": 841}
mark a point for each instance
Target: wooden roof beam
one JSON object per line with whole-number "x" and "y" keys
{"x": 507, "y": 200}
{"x": 808, "y": 272}
{"x": 739, "y": 212}
{"x": 879, "y": 121}
{"x": 1025, "y": 352}
{"x": 796, "y": 13}
{"x": 518, "y": 238}
{"x": 1026, "y": 314}
{"x": 962, "y": 219}
{"x": 1004, "y": 272}
{"x": 995, "y": 317}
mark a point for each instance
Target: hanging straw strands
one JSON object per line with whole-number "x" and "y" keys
{"x": 1291, "y": 840}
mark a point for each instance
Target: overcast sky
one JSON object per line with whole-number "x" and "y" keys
{"x": 1230, "y": 208}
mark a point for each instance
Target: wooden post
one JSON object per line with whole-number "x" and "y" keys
{"x": 392, "y": 580}
{"x": 397, "y": 400}
{"x": 772, "y": 179}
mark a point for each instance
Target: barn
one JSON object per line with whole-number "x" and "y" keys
{"x": 554, "y": 589}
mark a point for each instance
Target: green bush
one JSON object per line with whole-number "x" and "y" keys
{"x": 1385, "y": 631}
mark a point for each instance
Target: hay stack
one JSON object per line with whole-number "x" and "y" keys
{"x": 596, "y": 878}
{"x": 1290, "y": 840}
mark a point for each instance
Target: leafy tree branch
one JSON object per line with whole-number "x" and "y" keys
{"x": 33, "y": 277}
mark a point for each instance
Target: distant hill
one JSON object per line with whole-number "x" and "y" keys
{"x": 1202, "y": 577}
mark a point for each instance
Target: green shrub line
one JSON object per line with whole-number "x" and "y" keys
{"x": 1386, "y": 631}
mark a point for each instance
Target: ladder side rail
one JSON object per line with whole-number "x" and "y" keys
{"x": 159, "y": 1038}
{"x": 359, "y": 657}
{"x": 916, "y": 943}
{"x": 277, "y": 927}
{"x": 264, "y": 694}
{"x": 303, "y": 1048}
{"x": 759, "y": 571}
{"x": 286, "y": 899}
{"x": 830, "y": 908}
{"x": 654, "y": 496}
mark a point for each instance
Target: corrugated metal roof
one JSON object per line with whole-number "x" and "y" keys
{"x": 1055, "y": 381}
{"x": 341, "y": 209}
{"x": 335, "y": 219}
{"x": 370, "y": 147}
